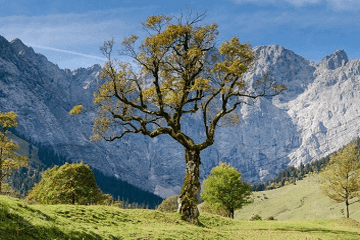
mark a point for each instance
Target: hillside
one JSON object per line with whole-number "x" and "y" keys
{"x": 20, "y": 221}
{"x": 301, "y": 201}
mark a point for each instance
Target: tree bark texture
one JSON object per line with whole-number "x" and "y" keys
{"x": 191, "y": 187}
{"x": 347, "y": 208}
{"x": 1, "y": 169}
{"x": 0, "y": 177}
{"x": 232, "y": 213}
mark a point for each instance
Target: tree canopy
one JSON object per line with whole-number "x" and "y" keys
{"x": 67, "y": 184}
{"x": 181, "y": 72}
{"x": 341, "y": 178}
{"x": 9, "y": 160}
{"x": 223, "y": 188}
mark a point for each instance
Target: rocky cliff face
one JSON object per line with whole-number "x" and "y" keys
{"x": 318, "y": 114}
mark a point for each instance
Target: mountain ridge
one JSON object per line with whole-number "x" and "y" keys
{"x": 288, "y": 129}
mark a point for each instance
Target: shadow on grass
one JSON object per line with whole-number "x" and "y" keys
{"x": 320, "y": 230}
{"x": 16, "y": 227}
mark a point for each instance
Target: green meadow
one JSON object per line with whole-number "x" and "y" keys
{"x": 301, "y": 201}
{"x": 22, "y": 221}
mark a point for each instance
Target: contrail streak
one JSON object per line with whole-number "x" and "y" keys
{"x": 66, "y": 51}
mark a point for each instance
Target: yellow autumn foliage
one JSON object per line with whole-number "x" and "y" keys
{"x": 76, "y": 109}
{"x": 341, "y": 177}
{"x": 9, "y": 160}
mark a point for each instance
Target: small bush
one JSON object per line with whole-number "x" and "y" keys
{"x": 271, "y": 218}
{"x": 106, "y": 199}
{"x": 116, "y": 204}
{"x": 68, "y": 184}
{"x": 255, "y": 217}
{"x": 168, "y": 205}
{"x": 9, "y": 191}
{"x": 205, "y": 207}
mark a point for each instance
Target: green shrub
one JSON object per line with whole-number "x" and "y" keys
{"x": 271, "y": 218}
{"x": 255, "y": 217}
{"x": 205, "y": 207}
{"x": 68, "y": 184}
{"x": 9, "y": 191}
{"x": 105, "y": 199}
{"x": 168, "y": 205}
{"x": 117, "y": 204}
{"x": 224, "y": 188}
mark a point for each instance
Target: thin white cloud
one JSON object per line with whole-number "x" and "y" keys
{"x": 335, "y": 4}
{"x": 72, "y": 29}
{"x": 66, "y": 51}
{"x": 80, "y": 34}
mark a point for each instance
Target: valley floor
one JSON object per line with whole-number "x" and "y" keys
{"x": 21, "y": 221}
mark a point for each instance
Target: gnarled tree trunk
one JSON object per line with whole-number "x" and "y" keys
{"x": 1, "y": 168}
{"x": 1, "y": 176}
{"x": 231, "y": 215}
{"x": 191, "y": 187}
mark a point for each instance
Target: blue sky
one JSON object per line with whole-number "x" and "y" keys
{"x": 69, "y": 33}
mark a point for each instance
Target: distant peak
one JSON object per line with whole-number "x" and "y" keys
{"x": 339, "y": 51}
{"x": 269, "y": 48}
{"x": 18, "y": 44}
{"x": 273, "y": 51}
{"x": 277, "y": 54}
{"x": 21, "y": 48}
{"x": 336, "y": 59}
{"x": 17, "y": 41}
{"x": 94, "y": 68}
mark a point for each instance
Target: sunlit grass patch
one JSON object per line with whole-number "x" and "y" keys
{"x": 301, "y": 201}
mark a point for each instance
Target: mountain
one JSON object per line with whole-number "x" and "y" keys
{"x": 316, "y": 115}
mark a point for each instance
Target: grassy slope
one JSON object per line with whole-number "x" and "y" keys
{"x": 21, "y": 221}
{"x": 301, "y": 201}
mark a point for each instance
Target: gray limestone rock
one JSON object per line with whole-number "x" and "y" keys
{"x": 337, "y": 59}
{"x": 318, "y": 114}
